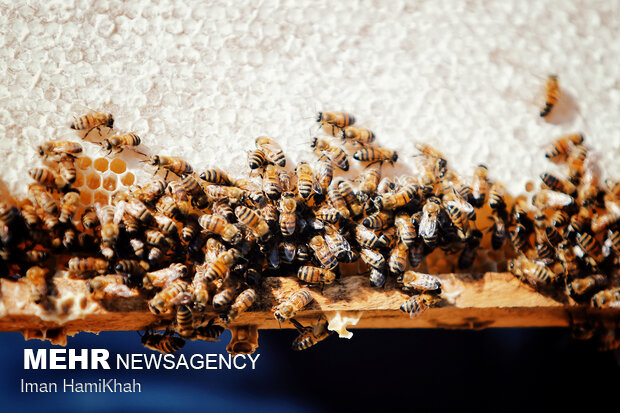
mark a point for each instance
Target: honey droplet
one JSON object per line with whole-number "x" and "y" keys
{"x": 101, "y": 164}
{"x": 84, "y": 162}
{"x": 79, "y": 180}
{"x": 93, "y": 181}
{"x": 101, "y": 198}
{"x": 109, "y": 182}
{"x": 118, "y": 166}
{"x": 529, "y": 186}
{"x": 128, "y": 179}
{"x": 86, "y": 197}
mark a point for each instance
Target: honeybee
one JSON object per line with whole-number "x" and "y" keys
{"x": 84, "y": 266}
{"x": 138, "y": 247}
{"x": 151, "y": 192}
{"x": 46, "y": 177}
{"x": 532, "y": 272}
{"x": 546, "y": 198}
{"x": 294, "y": 303}
{"x": 358, "y": 135}
{"x": 552, "y": 94}
{"x": 613, "y": 187}
{"x": 496, "y": 196}
{"x": 397, "y": 262}
{"x": 58, "y": 149}
{"x": 316, "y": 275}
{"x": 417, "y": 304}
{"x": 309, "y": 336}
{"x": 606, "y": 298}
{"x": 69, "y": 238}
{"x": 92, "y": 121}
{"x": 322, "y": 252}
{"x": 429, "y": 223}
{"x": 373, "y": 259}
{"x": 388, "y": 238}
{"x": 274, "y": 155}
{"x": 336, "y": 242}
{"x": 66, "y": 168}
{"x": 27, "y": 210}
{"x": 155, "y": 256}
{"x": 271, "y": 182}
{"x": 306, "y": 181}
{"x": 558, "y": 150}
{"x": 365, "y": 237}
{"x": 557, "y": 184}
{"x": 613, "y": 241}
{"x": 185, "y": 321}
{"x": 173, "y": 294}
{"x": 335, "y": 154}
{"x": 416, "y": 254}
{"x": 43, "y": 198}
{"x": 256, "y": 159}
{"x": 519, "y": 238}
{"x": 559, "y": 219}
{"x": 377, "y": 278}
{"x": 336, "y": 200}
{"x": 325, "y": 172}
{"x": 370, "y": 179}
{"x": 576, "y": 162}
{"x": 288, "y": 218}
{"x": 217, "y": 176}
{"x": 399, "y": 199}
{"x": 375, "y": 154}
{"x": 346, "y": 190}
{"x": 460, "y": 221}
{"x": 193, "y": 188}
{"x": 110, "y": 284}
{"x": 117, "y": 142}
{"x": 244, "y": 300}
{"x": 602, "y": 222}
{"x": 498, "y": 231}
{"x": 420, "y": 281}
{"x": 468, "y": 255}
{"x": 252, "y": 220}
{"x": 220, "y": 266}
{"x": 480, "y": 185}
{"x": 225, "y": 295}
{"x": 220, "y": 226}
{"x": 338, "y": 119}
{"x": 171, "y": 164}
{"x": 591, "y": 248}
{"x": 37, "y": 277}
{"x": 583, "y": 286}
{"x": 134, "y": 269}
{"x": 378, "y": 220}
{"x": 164, "y": 343}
{"x": 68, "y": 206}
{"x": 89, "y": 218}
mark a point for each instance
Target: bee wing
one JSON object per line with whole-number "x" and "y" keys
{"x": 316, "y": 186}
{"x": 427, "y": 227}
{"x": 559, "y": 199}
{"x": 119, "y": 212}
{"x": 119, "y": 290}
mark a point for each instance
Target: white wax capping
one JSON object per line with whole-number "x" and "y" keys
{"x": 338, "y": 321}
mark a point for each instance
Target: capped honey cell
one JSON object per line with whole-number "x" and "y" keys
{"x": 101, "y": 164}
{"x": 118, "y": 166}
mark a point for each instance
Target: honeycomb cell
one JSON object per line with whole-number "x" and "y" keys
{"x": 101, "y": 197}
{"x": 101, "y": 164}
{"x": 109, "y": 182}
{"x": 86, "y": 197}
{"x": 128, "y": 179}
{"x": 118, "y": 166}
{"x": 93, "y": 180}
{"x": 84, "y": 162}
{"x": 79, "y": 180}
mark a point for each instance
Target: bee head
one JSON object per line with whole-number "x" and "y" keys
{"x": 319, "y": 117}
{"x": 110, "y": 122}
{"x": 41, "y": 151}
{"x": 313, "y": 142}
{"x": 106, "y": 144}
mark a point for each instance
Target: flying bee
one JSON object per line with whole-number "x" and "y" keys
{"x": 184, "y": 321}
{"x": 370, "y": 179}
{"x": 591, "y": 248}
{"x": 256, "y": 159}
{"x": 587, "y": 285}
{"x": 428, "y": 229}
{"x": 48, "y": 178}
{"x": 171, "y": 164}
{"x": 365, "y": 237}
{"x": 37, "y": 277}
{"x": 254, "y": 222}
{"x": 82, "y": 267}
{"x": 373, "y": 259}
{"x": 164, "y": 343}
{"x": 375, "y": 154}
{"x": 336, "y": 242}
{"x": 346, "y": 190}
{"x": 174, "y": 294}
{"x": 397, "y": 261}
{"x": 378, "y": 220}
{"x": 216, "y": 176}
{"x": 244, "y": 300}
{"x": 288, "y": 218}
{"x": 325, "y": 172}
{"x": 309, "y": 336}
{"x": 335, "y": 154}
{"x": 557, "y": 184}
{"x": 480, "y": 185}
{"x": 531, "y": 271}
{"x": 358, "y": 135}
{"x": 66, "y": 168}
{"x": 294, "y": 303}
{"x": 417, "y": 304}
{"x": 93, "y": 121}
{"x": 552, "y": 94}
{"x": 306, "y": 181}
{"x": 316, "y": 275}
{"x": 68, "y": 206}
{"x": 118, "y": 142}
{"x": 606, "y": 298}
{"x": 403, "y": 197}
{"x": 468, "y": 255}
{"x": 272, "y": 151}
{"x": 221, "y": 227}
{"x": 420, "y": 281}
{"x": 322, "y": 252}
{"x": 110, "y": 285}
{"x": 43, "y": 198}
{"x": 559, "y": 149}
{"x": 58, "y": 149}
{"x": 547, "y": 198}
{"x": 220, "y": 266}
